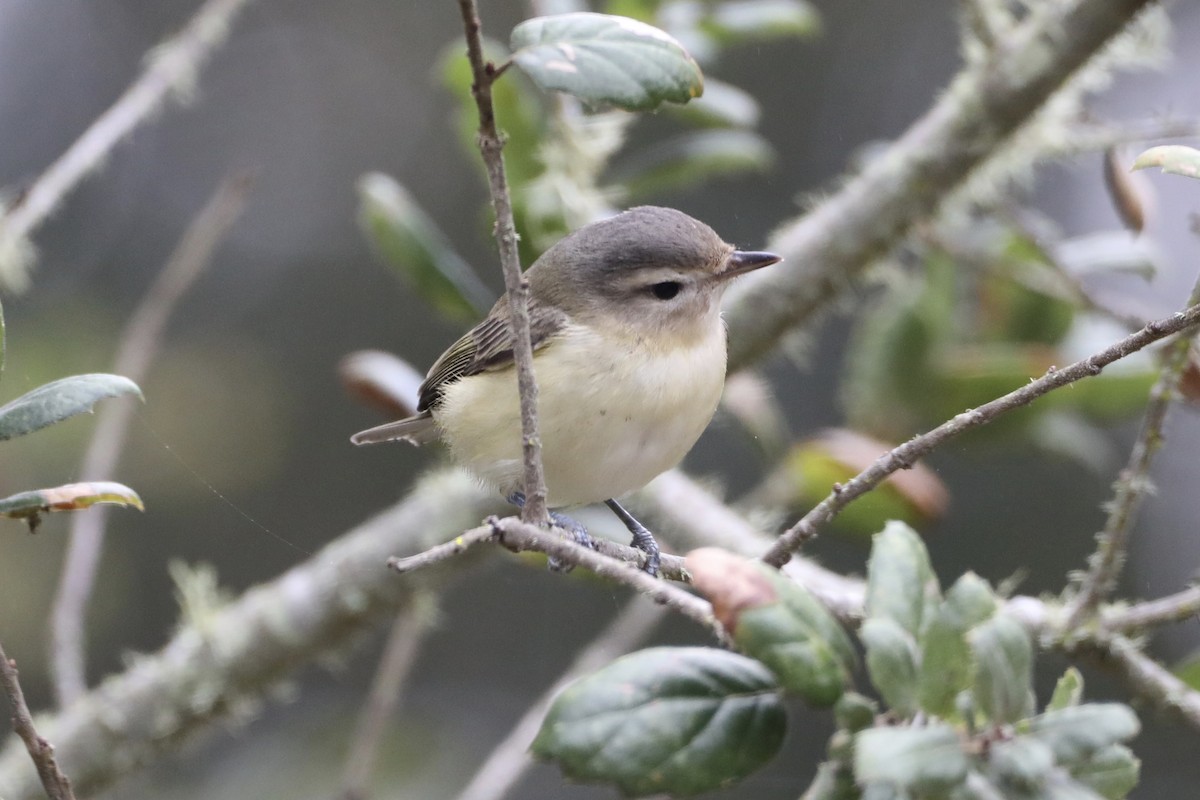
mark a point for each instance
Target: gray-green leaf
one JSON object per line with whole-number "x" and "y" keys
{"x": 691, "y": 158}
{"x": 606, "y": 60}
{"x": 1111, "y": 772}
{"x": 680, "y": 720}
{"x": 1003, "y": 669}
{"x": 900, "y": 580}
{"x": 1068, "y": 691}
{"x": 946, "y": 665}
{"x": 892, "y": 662}
{"x": 926, "y": 760}
{"x": 1076, "y": 733}
{"x": 58, "y": 400}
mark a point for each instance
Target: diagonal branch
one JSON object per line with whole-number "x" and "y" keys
{"x": 171, "y": 68}
{"x": 825, "y": 249}
{"x": 907, "y": 454}
{"x": 491, "y": 145}
{"x": 138, "y": 348}
{"x": 1133, "y": 485}
{"x": 56, "y": 784}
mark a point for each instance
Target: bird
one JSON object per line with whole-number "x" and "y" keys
{"x": 629, "y": 353}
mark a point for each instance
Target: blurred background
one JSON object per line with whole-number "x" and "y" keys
{"x": 241, "y": 450}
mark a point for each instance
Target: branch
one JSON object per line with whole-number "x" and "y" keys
{"x": 491, "y": 145}
{"x": 204, "y": 674}
{"x": 170, "y": 68}
{"x": 1178, "y": 607}
{"x": 399, "y": 655}
{"x": 982, "y": 108}
{"x": 56, "y": 784}
{"x": 503, "y": 768}
{"x": 905, "y": 455}
{"x": 1149, "y": 679}
{"x": 610, "y": 560}
{"x": 1105, "y": 564}
{"x": 138, "y": 347}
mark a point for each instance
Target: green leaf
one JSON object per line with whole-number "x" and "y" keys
{"x": 679, "y": 720}
{"x": 1074, "y": 734}
{"x": 946, "y": 665}
{"x": 1068, "y": 691}
{"x": 854, "y": 712}
{"x": 1111, "y": 772}
{"x": 31, "y": 505}
{"x": 740, "y": 20}
{"x": 412, "y": 243}
{"x": 693, "y": 158}
{"x": 58, "y": 400}
{"x": 892, "y": 661}
{"x": 1021, "y": 763}
{"x": 799, "y": 640}
{"x": 925, "y": 760}
{"x": 1174, "y": 158}
{"x": 1004, "y": 669}
{"x": 900, "y": 580}
{"x": 1188, "y": 669}
{"x": 606, "y": 60}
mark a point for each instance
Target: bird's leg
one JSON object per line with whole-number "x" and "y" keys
{"x": 572, "y": 526}
{"x": 642, "y": 539}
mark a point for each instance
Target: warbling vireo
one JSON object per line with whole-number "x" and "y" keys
{"x": 629, "y": 354}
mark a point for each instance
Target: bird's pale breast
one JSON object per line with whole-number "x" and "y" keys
{"x": 614, "y": 413}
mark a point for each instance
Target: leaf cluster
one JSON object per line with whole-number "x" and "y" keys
{"x": 954, "y": 672}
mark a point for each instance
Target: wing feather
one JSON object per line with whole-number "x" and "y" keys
{"x": 487, "y": 347}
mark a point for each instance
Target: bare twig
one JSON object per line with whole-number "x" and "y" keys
{"x": 671, "y": 567}
{"x": 56, "y": 784}
{"x": 399, "y": 655}
{"x": 906, "y": 454}
{"x": 139, "y": 345}
{"x": 504, "y": 767}
{"x": 825, "y": 249}
{"x": 1178, "y": 607}
{"x": 1149, "y": 679}
{"x": 491, "y": 147}
{"x": 170, "y": 68}
{"x": 1105, "y": 564}
{"x": 519, "y": 536}
{"x": 617, "y": 562}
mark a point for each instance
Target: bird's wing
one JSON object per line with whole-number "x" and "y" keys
{"x": 487, "y": 347}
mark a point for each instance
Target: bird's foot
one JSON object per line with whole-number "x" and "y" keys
{"x": 643, "y": 539}
{"x": 572, "y": 526}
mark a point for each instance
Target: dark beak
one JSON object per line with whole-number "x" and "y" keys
{"x": 742, "y": 261}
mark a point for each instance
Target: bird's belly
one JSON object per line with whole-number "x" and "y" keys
{"x": 612, "y": 415}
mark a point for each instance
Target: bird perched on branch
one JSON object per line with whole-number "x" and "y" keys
{"x": 629, "y": 355}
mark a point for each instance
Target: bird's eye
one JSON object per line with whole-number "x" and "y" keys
{"x": 665, "y": 290}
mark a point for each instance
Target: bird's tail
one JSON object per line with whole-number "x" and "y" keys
{"x": 416, "y": 430}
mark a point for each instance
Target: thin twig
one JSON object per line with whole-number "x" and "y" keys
{"x": 399, "y": 655}
{"x": 1149, "y": 679}
{"x": 138, "y": 347}
{"x": 519, "y": 536}
{"x": 509, "y": 760}
{"x": 671, "y": 567}
{"x": 491, "y": 146}
{"x": 171, "y": 68}
{"x": 1105, "y": 565}
{"x": 56, "y": 784}
{"x": 1178, "y": 607}
{"x": 907, "y": 454}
